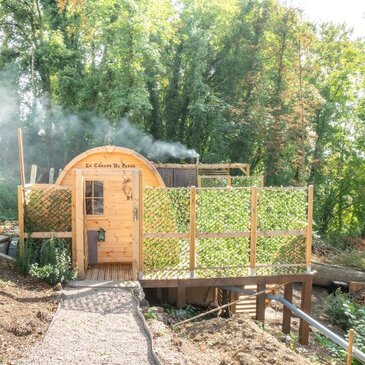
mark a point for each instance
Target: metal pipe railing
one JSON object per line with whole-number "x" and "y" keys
{"x": 320, "y": 327}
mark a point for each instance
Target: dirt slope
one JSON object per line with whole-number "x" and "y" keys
{"x": 26, "y": 308}
{"x": 234, "y": 341}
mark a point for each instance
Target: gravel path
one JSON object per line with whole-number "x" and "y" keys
{"x": 95, "y": 326}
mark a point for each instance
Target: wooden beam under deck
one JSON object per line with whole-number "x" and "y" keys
{"x": 217, "y": 282}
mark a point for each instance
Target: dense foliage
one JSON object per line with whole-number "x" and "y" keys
{"x": 346, "y": 314}
{"x": 237, "y": 80}
{"x": 49, "y": 260}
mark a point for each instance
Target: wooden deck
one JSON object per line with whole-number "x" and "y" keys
{"x": 109, "y": 272}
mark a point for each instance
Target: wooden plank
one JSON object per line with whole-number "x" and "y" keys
{"x": 260, "y": 303}
{"x": 166, "y": 235}
{"x": 51, "y": 175}
{"x": 288, "y": 295}
{"x": 223, "y": 235}
{"x": 94, "y": 273}
{"x": 227, "y": 234}
{"x": 21, "y": 218}
{"x": 49, "y": 234}
{"x": 253, "y": 229}
{"x": 192, "y": 256}
{"x": 281, "y": 233}
{"x": 305, "y": 306}
{"x": 229, "y": 281}
{"x": 108, "y": 272}
{"x": 21, "y": 157}
{"x": 33, "y": 174}
{"x": 308, "y": 243}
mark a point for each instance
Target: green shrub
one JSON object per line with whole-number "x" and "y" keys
{"x": 24, "y": 261}
{"x": 48, "y": 260}
{"x": 345, "y": 314}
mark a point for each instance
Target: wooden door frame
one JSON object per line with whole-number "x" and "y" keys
{"x": 78, "y": 218}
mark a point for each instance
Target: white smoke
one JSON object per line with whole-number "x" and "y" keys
{"x": 128, "y": 135}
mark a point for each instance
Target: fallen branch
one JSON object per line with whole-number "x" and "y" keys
{"x": 245, "y": 296}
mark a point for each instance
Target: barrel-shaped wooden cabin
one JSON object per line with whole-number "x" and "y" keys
{"x": 107, "y": 184}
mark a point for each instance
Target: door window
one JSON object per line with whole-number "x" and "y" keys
{"x": 94, "y": 198}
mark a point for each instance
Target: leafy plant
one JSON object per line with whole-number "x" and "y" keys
{"x": 48, "y": 260}
{"x": 54, "y": 264}
{"x": 345, "y": 314}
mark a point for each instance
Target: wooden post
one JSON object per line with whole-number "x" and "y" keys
{"x": 260, "y": 303}
{"x": 229, "y": 181}
{"x": 21, "y": 157}
{"x": 262, "y": 180}
{"x": 192, "y": 261}
{"x": 51, "y": 175}
{"x": 305, "y": 307}
{"x": 181, "y": 299}
{"x": 21, "y": 218}
{"x": 247, "y": 170}
{"x": 78, "y": 223}
{"x": 253, "y": 237}
{"x": 136, "y": 223}
{"x": 59, "y": 172}
{"x": 288, "y": 295}
{"x": 199, "y": 181}
{"x": 350, "y": 346}
{"x": 141, "y": 230}
{"x": 309, "y": 233}
{"x": 33, "y": 174}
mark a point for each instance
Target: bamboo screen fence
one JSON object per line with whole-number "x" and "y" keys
{"x": 221, "y": 181}
{"x": 220, "y": 232}
{"x": 47, "y": 210}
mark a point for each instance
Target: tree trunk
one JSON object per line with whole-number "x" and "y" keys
{"x": 328, "y": 273}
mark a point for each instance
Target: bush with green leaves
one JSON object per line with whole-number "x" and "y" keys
{"x": 49, "y": 260}
{"x": 345, "y": 314}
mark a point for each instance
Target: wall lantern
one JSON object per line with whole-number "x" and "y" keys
{"x": 101, "y": 235}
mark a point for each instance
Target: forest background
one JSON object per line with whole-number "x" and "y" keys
{"x": 236, "y": 80}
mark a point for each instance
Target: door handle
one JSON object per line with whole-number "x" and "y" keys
{"x": 135, "y": 214}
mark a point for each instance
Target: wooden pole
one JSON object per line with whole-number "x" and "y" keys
{"x": 305, "y": 306}
{"x": 21, "y": 218}
{"x": 141, "y": 230}
{"x": 192, "y": 261}
{"x": 288, "y": 295}
{"x": 247, "y": 170}
{"x": 229, "y": 181}
{"x": 262, "y": 180}
{"x": 51, "y": 175}
{"x": 199, "y": 181}
{"x": 253, "y": 229}
{"x": 21, "y": 157}
{"x": 309, "y": 233}
{"x": 33, "y": 174}
{"x": 350, "y": 346}
{"x": 260, "y": 302}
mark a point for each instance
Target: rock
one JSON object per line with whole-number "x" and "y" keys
{"x": 58, "y": 287}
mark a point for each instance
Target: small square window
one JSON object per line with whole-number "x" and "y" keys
{"x": 94, "y": 198}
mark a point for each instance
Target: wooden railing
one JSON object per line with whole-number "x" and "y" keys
{"x": 169, "y": 238}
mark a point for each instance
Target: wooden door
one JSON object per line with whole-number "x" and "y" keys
{"x": 111, "y": 204}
